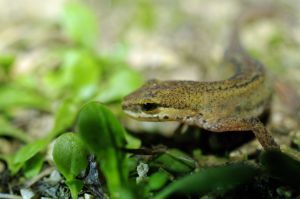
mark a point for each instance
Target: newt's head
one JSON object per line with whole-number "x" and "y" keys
{"x": 157, "y": 101}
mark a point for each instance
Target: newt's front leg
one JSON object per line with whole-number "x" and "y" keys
{"x": 253, "y": 124}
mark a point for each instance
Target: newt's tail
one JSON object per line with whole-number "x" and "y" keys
{"x": 235, "y": 52}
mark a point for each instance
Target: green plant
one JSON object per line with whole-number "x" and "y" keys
{"x": 70, "y": 157}
{"x": 104, "y": 136}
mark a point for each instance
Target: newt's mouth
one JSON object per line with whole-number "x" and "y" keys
{"x": 150, "y": 117}
{"x": 142, "y": 116}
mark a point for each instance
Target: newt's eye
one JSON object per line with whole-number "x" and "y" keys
{"x": 149, "y": 107}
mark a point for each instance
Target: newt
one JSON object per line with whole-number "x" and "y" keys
{"x": 233, "y": 104}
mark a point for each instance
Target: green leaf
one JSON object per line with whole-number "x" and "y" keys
{"x": 175, "y": 161}
{"x": 17, "y": 161}
{"x": 78, "y": 75}
{"x": 70, "y": 155}
{"x": 64, "y": 117}
{"x": 281, "y": 166}
{"x": 218, "y": 180}
{"x": 99, "y": 129}
{"x": 6, "y": 129}
{"x": 80, "y": 24}
{"x": 158, "y": 180}
{"x": 33, "y": 166}
{"x": 12, "y": 96}
{"x": 30, "y": 150}
{"x": 120, "y": 84}
{"x": 9, "y": 159}
{"x": 132, "y": 164}
{"x": 132, "y": 142}
{"x": 104, "y": 136}
{"x": 75, "y": 186}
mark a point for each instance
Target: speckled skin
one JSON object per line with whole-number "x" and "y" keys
{"x": 233, "y": 104}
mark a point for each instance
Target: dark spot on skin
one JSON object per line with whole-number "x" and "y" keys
{"x": 166, "y": 117}
{"x": 200, "y": 114}
{"x": 204, "y": 121}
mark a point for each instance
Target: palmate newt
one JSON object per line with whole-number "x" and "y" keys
{"x": 232, "y": 104}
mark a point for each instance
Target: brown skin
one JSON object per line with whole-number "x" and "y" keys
{"x": 233, "y": 104}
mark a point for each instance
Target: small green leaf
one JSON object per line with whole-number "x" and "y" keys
{"x": 33, "y": 166}
{"x": 99, "y": 128}
{"x": 132, "y": 142}
{"x": 176, "y": 162}
{"x": 64, "y": 117}
{"x": 281, "y": 166}
{"x": 70, "y": 155}
{"x": 30, "y": 150}
{"x": 78, "y": 75}
{"x": 75, "y": 186}
{"x": 216, "y": 179}
{"x": 80, "y": 24}
{"x": 27, "y": 152}
{"x": 158, "y": 180}
{"x": 9, "y": 159}
{"x": 104, "y": 136}
{"x": 132, "y": 164}
{"x": 183, "y": 157}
